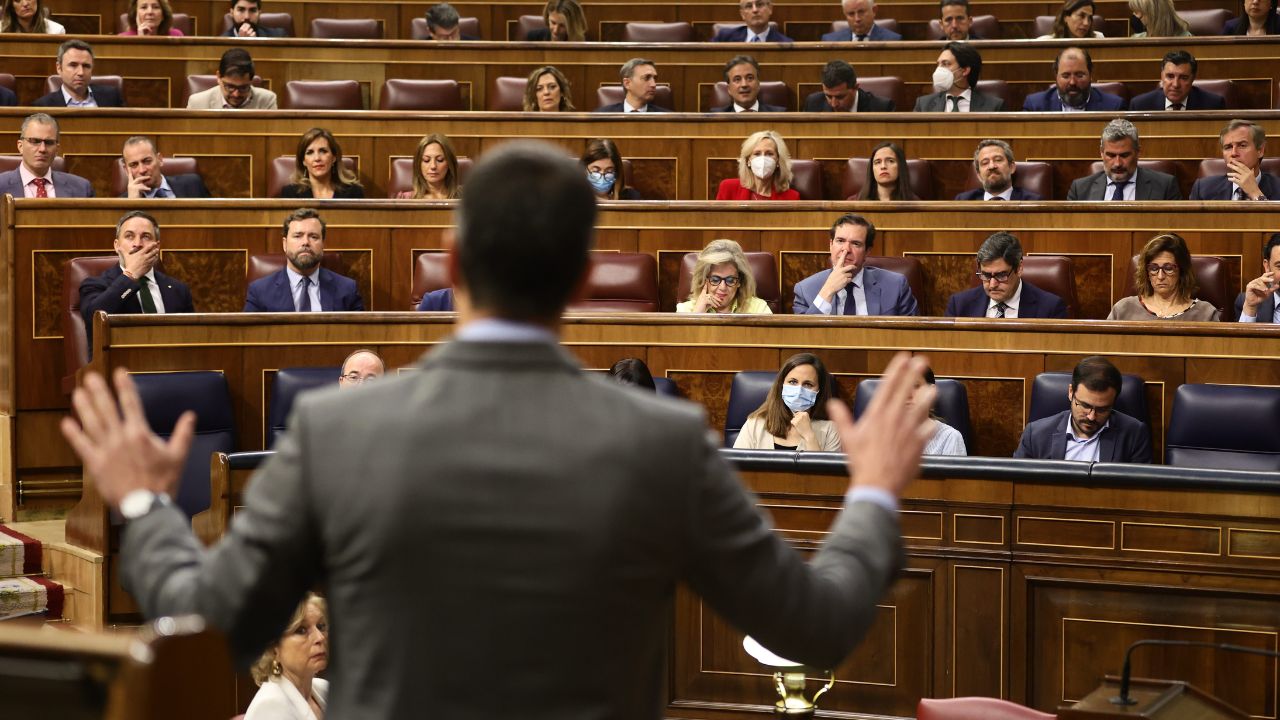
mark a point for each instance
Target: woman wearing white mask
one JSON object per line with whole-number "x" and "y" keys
{"x": 794, "y": 415}
{"x": 764, "y": 171}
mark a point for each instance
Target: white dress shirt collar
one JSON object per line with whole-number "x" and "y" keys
{"x": 1011, "y": 305}
{"x": 89, "y": 100}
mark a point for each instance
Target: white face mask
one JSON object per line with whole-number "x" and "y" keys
{"x": 762, "y": 166}
{"x": 943, "y": 79}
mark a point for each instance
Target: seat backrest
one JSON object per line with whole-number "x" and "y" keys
{"x": 719, "y": 27}
{"x": 855, "y": 174}
{"x": 402, "y": 175}
{"x": 890, "y": 24}
{"x": 1206, "y": 22}
{"x": 1225, "y": 88}
{"x": 322, "y": 95}
{"x": 508, "y": 93}
{"x": 75, "y": 338}
{"x": 169, "y": 166}
{"x": 9, "y": 82}
{"x": 764, "y": 266}
{"x": 1044, "y": 24}
{"x": 286, "y": 386}
{"x": 346, "y": 28}
{"x": 181, "y": 21}
{"x": 277, "y": 20}
{"x": 280, "y": 172}
{"x": 420, "y": 30}
{"x": 1210, "y": 167}
{"x": 773, "y": 92}
{"x": 995, "y": 88}
{"x": 1228, "y": 427}
{"x": 908, "y": 267}
{"x": 53, "y": 83}
{"x": 165, "y": 397}
{"x": 658, "y": 32}
{"x": 1114, "y": 88}
{"x": 400, "y": 94}
{"x": 620, "y": 282}
{"x": 976, "y": 708}
{"x": 985, "y": 26}
{"x": 527, "y": 24}
{"x": 888, "y": 87}
{"x": 1033, "y": 175}
{"x": 806, "y": 178}
{"x": 264, "y": 264}
{"x": 1049, "y": 396}
{"x": 610, "y": 94}
{"x": 746, "y": 395}
{"x": 11, "y": 162}
{"x": 1165, "y": 166}
{"x": 1051, "y": 273}
{"x": 951, "y": 404}
{"x": 1212, "y": 275}
{"x": 200, "y": 83}
{"x": 430, "y": 272}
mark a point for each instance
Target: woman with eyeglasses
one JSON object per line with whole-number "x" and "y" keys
{"x": 1166, "y": 285}
{"x": 722, "y": 283}
{"x": 794, "y": 414}
{"x": 603, "y": 164}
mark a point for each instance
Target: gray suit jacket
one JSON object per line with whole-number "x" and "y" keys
{"x": 978, "y": 102}
{"x": 65, "y": 185}
{"x": 1152, "y": 185}
{"x": 211, "y": 99}
{"x": 502, "y": 512}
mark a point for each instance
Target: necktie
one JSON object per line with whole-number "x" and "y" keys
{"x": 1240, "y": 194}
{"x": 756, "y": 38}
{"x": 1175, "y": 106}
{"x": 304, "y": 295}
{"x": 862, "y": 38}
{"x": 955, "y": 102}
{"x": 40, "y": 191}
{"x": 1117, "y": 192}
{"x": 1000, "y": 308}
{"x": 161, "y": 193}
{"x": 995, "y": 197}
{"x": 850, "y": 303}
{"x": 144, "y": 296}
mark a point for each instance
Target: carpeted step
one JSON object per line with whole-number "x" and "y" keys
{"x": 21, "y": 596}
{"x": 19, "y": 554}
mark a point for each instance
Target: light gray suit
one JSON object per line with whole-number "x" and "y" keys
{"x": 978, "y": 102}
{"x": 1152, "y": 185}
{"x": 501, "y": 533}
{"x": 211, "y": 99}
{"x": 65, "y": 185}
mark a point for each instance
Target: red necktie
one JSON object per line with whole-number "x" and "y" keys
{"x": 40, "y": 191}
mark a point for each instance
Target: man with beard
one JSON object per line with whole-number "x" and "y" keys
{"x": 1121, "y": 178}
{"x": 742, "y": 75}
{"x": 1091, "y": 430}
{"x": 1073, "y": 91}
{"x": 303, "y": 286}
{"x": 993, "y": 163}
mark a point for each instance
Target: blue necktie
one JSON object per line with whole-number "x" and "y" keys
{"x": 304, "y": 295}
{"x": 1117, "y": 191}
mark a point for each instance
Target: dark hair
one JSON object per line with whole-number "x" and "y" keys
{"x": 1068, "y": 7}
{"x": 442, "y": 15}
{"x": 255, "y": 3}
{"x": 628, "y": 68}
{"x": 737, "y": 60}
{"x": 1173, "y": 244}
{"x": 73, "y": 44}
{"x": 236, "y": 61}
{"x": 901, "y": 187}
{"x": 1273, "y": 20}
{"x": 837, "y": 73}
{"x": 600, "y": 149}
{"x": 775, "y": 413}
{"x": 532, "y": 189}
{"x": 1001, "y": 245}
{"x": 855, "y": 219}
{"x": 1180, "y": 57}
{"x": 338, "y": 174}
{"x": 138, "y": 214}
{"x": 966, "y": 57}
{"x": 632, "y": 371}
{"x": 1273, "y": 241}
{"x": 947, "y": 3}
{"x": 1097, "y": 374}
{"x": 1088, "y": 60}
{"x": 303, "y": 214}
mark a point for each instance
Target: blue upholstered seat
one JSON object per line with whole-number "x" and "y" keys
{"x": 1049, "y": 396}
{"x": 951, "y": 404}
{"x": 1230, "y": 427}
{"x": 285, "y": 388}
{"x": 165, "y": 396}
{"x": 747, "y": 393}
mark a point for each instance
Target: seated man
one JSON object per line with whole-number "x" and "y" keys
{"x": 840, "y": 93}
{"x": 955, "y": 83}
{"x": 956, "y": 21}
{"x": 1003, "y": 293}
{"x": 1091, "y": 430}
{"x": 756, "y": 14}
{"x": 1243, "y": 145}
{"x": 861, "y": 15}
{"x": 994, "y": 165}
{"x": 142, "y": 161}
{"x": 1073, "y": 89}
{"x": 1260, "y": 301}
{"x": 437, "y": 301}
{"x": 303, "y": 286}
{"x": 742, "y": 75}
{"x": 359, "y": 368}
{"x": 640, "y": 83}
{"x": 235, "y": 89}
{"x": 444, "y": 23}
{"x": 1177, "y": 89}
{"x": 1121, "y": 178}
{"x": 134, "y": 286}
{"x": 7, "y": 97}
{"x": 35, "y": 177}
{"x": 75, "y": 69}
{"x": 851, "y": 287}
{"x": 244, "y": 21}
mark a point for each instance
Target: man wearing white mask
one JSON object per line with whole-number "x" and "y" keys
{"x": 955, "y": 83}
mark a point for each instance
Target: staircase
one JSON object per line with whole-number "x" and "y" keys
{"x": 25, "y": 587}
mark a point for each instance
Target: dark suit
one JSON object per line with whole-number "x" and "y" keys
{"x": 1126, "y": 440}
{"x": 452, "y": 527}
{"x": 867, "y": 102}
{"x": 877, "y": 33}
{"x": 1017, "y": 194}
{"x": 1266, "y": 309}
{"x": 739, "y": 34}
{"x": 117, "y": 294}
{"x": 262, "y": 30}
{"x": 65, "y": 185}
{"x": 104, "y": 95}
{"x": 272, "y": 293}
{"x": 1034, "y": 303}
{"x": 1218, "y": 187}
{"x": 887, "y": 293}
{"x": 1152, "y": 185}
{"x": 617, "y": 108}
{"x": 186, "y": 185}
{"x": 764, "y": 107}
{"x": 978, "y": 102}
{"x": 7, "y": 97}
{"x": 1048, "y": 101}
{"x": 437, "y": 301}
{"x": 1197, "y": 99}
{"x": 540, "y": 35}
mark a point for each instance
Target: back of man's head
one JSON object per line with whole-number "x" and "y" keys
{"x": 525, "y": 230}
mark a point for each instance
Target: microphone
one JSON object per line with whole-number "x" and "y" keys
{"x": 1124, "y": 699}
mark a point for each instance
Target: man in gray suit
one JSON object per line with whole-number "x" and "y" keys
{"x": 1121, "y": 178}
{"x": 955, "y": 83}
{"x": 501, "y": 511}
{"x": 235, "y": 89}
{"x": 35, "y": 177}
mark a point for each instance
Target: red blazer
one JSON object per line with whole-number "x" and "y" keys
{"x": 731, "y": 189}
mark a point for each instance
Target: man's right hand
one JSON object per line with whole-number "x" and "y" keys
{"x": 140, "y": 262}
{"x": 841, "y": 275}
{"x": 1256, "y": 291}
{"x": 138, "y": 186}
{"x": 246, "y": 30}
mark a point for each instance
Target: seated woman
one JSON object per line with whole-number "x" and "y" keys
{"x": 1166, "y": 285}
{"x": 565, "y": 22}
{"x": 722, "y": 282}
{"x": 28, "y": 16}
{"x": 547, "y": 91}
{"x": 151, "y": 17}
{"x": 764, "y": 171}
{"x": 435, "y": 171}
{"x": 1257, "y": 17}
{"x": 603, "y": 163}
{"x": 319, "y": 172}
{"x": 794, "y": 415}
{"x": 288, "y": 688}
{"x": 1159, "y": 19}
{"x": 887, "y": 176}
{"x": 632, "y": 371}
{"x": 1074, "y": 21}
{"x": 946, "y": 440}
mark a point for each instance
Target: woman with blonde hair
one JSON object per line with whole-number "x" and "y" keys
{"x": 151, "y": 17}
{"x": 288, "y": 688}
{"x": 435, "y": 171}
{"x": 1159, "y": 18}
{"x": 1166, "y": 285}
{"x": 565, "y": 22}
{"x": 28, "y": 16}
{"x": 764, "y": 171}
{"x": 548, "y": 90}
{"x": 319, "y": 172}
{"x": 722, "y": 282}
{"x": 794, "y": 413}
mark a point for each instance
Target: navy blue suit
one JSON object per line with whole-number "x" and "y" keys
{"x": 1017, "y": 194}
{"x": 117, "y": 294}
{"x": 272, "y": 293}
{"x": 262, "y": 30}
{"x": 7, "y": 98}
{"x": 104, "y": 95}
{"x": 1266, "y": 309}
{"x": 887, "y": 293}
{"x": 1034, "y": 303}
{"x": 186, "y": 185}
{"x": 437, "y": 301}
{"x": 877, "y": 33}
{"x": 739, "y": 34}
{"x": 764, "y": 107}
{"x": 1048, "y": 101}
{"x": 1197, "y": 99}
{"x": 1126, "y": 440}
{"x": 617, "y": 108}
{"x": 1218, "y": 187}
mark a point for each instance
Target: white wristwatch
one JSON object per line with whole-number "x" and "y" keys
{"x": 140, "y": 502}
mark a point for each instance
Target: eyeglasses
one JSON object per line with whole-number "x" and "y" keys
{"x": 731, "y": 281}
{"x": 237, "y": 89}
{"x": 598, "y": 176}
{"x": 1094, "y": 410}
{"x": 47, "y": 142}
{"x": 356, "y": 378}
{"x": 1167, "y": 269}
{"x": 1002, "y": 276}
{"x": 758, "y": 4}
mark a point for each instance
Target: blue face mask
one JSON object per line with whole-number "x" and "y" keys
{"x": 602, "y": 182}
{"x": 798, "y": 397}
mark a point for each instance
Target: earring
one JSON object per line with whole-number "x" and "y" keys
{"x": 275, "y": 668}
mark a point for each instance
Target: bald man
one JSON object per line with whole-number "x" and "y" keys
{"x": 359, "y": 368}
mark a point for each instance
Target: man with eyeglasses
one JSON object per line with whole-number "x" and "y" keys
{"x": 1091, "y": 429}
{"x": 235, "y": 89}
{"x": 35, "y": 176}
{"x": 75, "y": 70}
{"x": 850, "y": 286}
{"x": 360, "y": 367}
{"x": 1002, "y": 292}
{"x": 756, "y": 14}
{"x": 861, "y": 15}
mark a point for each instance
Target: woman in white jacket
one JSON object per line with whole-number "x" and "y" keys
{"x": 794, "y": 414}
{"x": 288, "y": 688}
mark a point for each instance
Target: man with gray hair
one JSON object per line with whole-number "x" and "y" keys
{"x": 1243, "y": 144}
{"x": 1002, "y": 293}
{"x": 444, "y": 23}
{"x": 1121, "y": 178}
{"x": 861, "y": 15}
{"x": 35, "y": 177}
{"x": 640, "y": 83}
{"x": 994, "y": 165}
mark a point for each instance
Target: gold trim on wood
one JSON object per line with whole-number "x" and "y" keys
{"x": 954, "y": 568}
{"x": 1020, "y": 541}
{"x": 955, "y": 538}
{"x": 1127, "y": 524}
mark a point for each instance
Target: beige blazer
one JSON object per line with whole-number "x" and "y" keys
{"x": 754, "y": 436}
{"x": 211, "y": 99}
